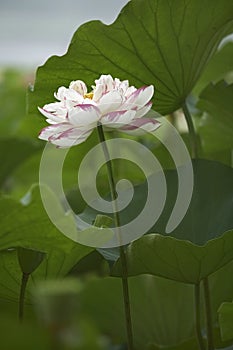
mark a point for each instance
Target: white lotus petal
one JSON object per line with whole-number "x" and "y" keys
{"x": 53, "y": 107}
{"x": 122, "y": 86}
{"x": 142, "y": 111}
{"x": 110, "y": 102}
{"x": 79, "y": 86}
{"x": 88, "y": 101}
{"x": 72, "y": 95}
{"x": 83, "y": 115}
{"x": 98, "y": 92}
{"x": 106, "y": 81}
{"x": 130, "y": 91}
{"x": 60, "y": 93}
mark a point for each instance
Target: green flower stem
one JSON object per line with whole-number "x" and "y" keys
{"x": 208, "y": 311}
{"x": 192, "y": 133}
{"x": 122, "y": 250}
{"x": 24, "y": 281}
{"x": 198, "y": 317}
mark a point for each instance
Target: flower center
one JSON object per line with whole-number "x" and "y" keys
{"x": 89, "y": 95}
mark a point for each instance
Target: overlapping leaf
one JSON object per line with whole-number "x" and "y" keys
{"x": 178, "y": 259}
{"x": 199, "y": 245}
{"x": 219, "y": 67}
{"x": 18, "y": 151}
{"x": 216, "y": 125}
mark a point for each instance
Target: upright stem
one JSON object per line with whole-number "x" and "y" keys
{"x": 24, "y": 281}
{"x": 122, "y": 250}
{"x": 192, "y": 133}
{"x": 198, "y": 317}
{"x": 210, "y": 341}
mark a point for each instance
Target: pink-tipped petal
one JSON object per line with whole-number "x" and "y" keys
{"x": 51, "y": 130}
{"x": 140, "y": 126}
{"x": 142, "y": 111}
{"x": 141, "y": 97}
{"x": 64, "y": 135}
{"x": 46, "y": 113}
{"x": 70, "y": 138}
{"x": 58, "y": 116}
{"x": 117, "y": 118}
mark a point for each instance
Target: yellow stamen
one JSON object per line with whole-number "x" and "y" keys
{"x": 89, "y": 95}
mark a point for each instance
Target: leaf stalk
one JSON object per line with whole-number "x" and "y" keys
{"x": 122, "y": 249}
{"x": 24, "y": 281}
{"x": 208, "y": 312}
{"x": 198, "y": 316}
{"x": 192, "y": 132}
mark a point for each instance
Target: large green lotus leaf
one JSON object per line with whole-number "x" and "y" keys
{"x": 210, "y": 211}
{"x": 202, "y": 242}
{"x": 190, "y": 344}
{"x": 30, "y": 227}
{"x": 162, "y": 310}
{"x": 166, "y": 43}
{"x": 10, "y": 275}
{"x": 56, "y": 264}
{"x": 215, "y": 126}
{"x": 178, "y": 260}
{"x": 226, "y": 320}
{"x": 157, "y": 305}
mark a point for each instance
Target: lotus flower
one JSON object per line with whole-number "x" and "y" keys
{"x": 112, "y": 102}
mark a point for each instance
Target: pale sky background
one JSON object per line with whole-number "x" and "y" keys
{"x": 33, "y": 30}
